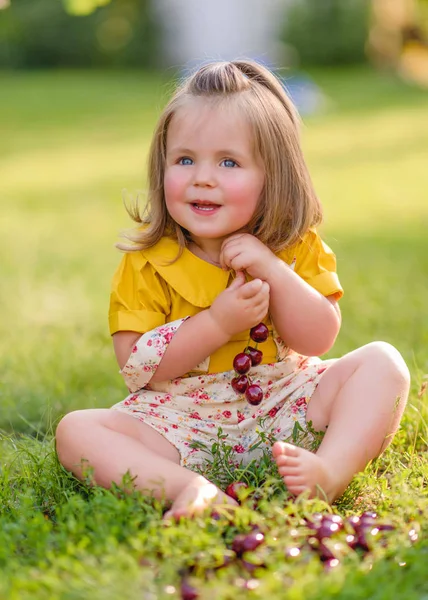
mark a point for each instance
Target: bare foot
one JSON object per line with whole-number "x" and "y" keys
{"x": 196, "y": 497}
{"x": 302, "y": 470}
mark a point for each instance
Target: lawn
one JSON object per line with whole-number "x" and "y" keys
{"x": 71, "y": 143}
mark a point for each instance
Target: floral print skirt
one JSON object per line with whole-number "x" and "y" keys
{"x": 193, "y": 409}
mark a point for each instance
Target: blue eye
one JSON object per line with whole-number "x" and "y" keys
{"x": 185, "y": 161}
{"x": 229, "y": 163}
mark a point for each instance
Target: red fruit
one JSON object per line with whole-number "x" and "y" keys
{"x": 188, "y": 592}
{"x": 242, "y": 363}
{"x": 254, "y": 394}
{"x": 324, "y": 552}
{"x": 247, "y": 542}
{"x": 259, "y": 333}
{"x": 315, "y": 521}
{"x": 326, "y": 530}
{"x": 368, "y": 515}
{"x": 331, "y": 563}
{"x": 240, "y": 383}
{"x": 354, "y": 521}
{"x": 234, "y": 488}
{"x": 255, "y": 355}
{"x": 333, "y": 519}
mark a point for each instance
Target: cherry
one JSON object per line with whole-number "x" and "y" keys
{"x": 333, "y": 519}
{"x": 324, "y": 552}
{"x": 259, "y": 333}
{"x": 255, "y": 355}
{"x": 254, "y": 394}
{"x": 240, "y": 384}
{"x": 315, "y": 521}
{"x": 242, "y": 363}
{"x": 331, "y": 563}
{"x": 385, "y": 527}
{"x": 234, "y": 488}
{"x": 326, "y": 530}
{"x": 188, "y": 592}
{"x": 247, "y": 542}
{"x": 368, "y": 515}
{"x": 354, "y": 521}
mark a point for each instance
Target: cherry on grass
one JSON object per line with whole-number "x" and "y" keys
{"x": 234, "y": 488}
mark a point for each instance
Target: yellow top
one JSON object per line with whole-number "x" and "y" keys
{"x": 147, "y": 292}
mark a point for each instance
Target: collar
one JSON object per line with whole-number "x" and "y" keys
{"x": 196, "y": 280}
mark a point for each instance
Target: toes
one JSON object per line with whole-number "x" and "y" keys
{"x": 291, "y": 450}
{"x": 287, "y": 461}
{"x": 282, "y": 449}
{"x": 277, "y": 449}
{"x": 294, "y": 481}
{"x": 297, "y": 490}
{"x": 289, "y": 471}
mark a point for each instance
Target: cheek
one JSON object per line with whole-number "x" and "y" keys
{"x": 171, "y": 187}
{"x": 246, "y": 193}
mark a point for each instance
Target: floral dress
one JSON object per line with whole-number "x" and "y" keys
{"x": 189, "y": 411}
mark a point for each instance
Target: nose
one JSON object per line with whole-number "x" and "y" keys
{"x": 204, "y": 175}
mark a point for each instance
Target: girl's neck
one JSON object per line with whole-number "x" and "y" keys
{"x": 206, "y": 251}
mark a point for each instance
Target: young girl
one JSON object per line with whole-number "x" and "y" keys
{"x": 230, "y": 240}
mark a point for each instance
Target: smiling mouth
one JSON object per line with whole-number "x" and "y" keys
{"x": 205, "y": 206}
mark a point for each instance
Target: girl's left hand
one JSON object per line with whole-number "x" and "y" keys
{"x": 244, "y": 252}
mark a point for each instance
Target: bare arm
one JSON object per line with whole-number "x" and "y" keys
{"x": 194, "y": 341}
{"x": 241, "y": 306}
{"x": 307, "y": 321}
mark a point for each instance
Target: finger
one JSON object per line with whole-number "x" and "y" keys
{"x": 263, "y": 293}
{"x": 250, "y": 289}
{"x": 259, "y": 303}
{"x": 230, "y": 248}
{"x": 227, "y": 256}
{"x": 238, "y": 281}
{"x": 235, "y": 259}
{"x": 232, "y": 238}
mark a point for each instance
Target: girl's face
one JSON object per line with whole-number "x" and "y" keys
{"x": 213, "y": 176}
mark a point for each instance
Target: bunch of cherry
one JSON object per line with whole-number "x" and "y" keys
{"x": 242, "y": 363}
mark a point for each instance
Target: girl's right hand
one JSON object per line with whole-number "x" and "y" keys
{"x": 242, "y": 305}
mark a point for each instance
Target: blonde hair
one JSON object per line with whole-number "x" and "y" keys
{"x": 288, "y": 205}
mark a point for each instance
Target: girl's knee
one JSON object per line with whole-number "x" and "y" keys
{"x": 67, "y": 430}
{"x": 387, "y": 360}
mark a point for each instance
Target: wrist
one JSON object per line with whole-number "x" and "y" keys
{"x": 216, "y": 328}
{"x": 275, "y": 271}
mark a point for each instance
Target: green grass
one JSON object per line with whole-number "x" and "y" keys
{"x": 70, "y": 143}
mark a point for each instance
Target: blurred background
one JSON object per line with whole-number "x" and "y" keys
{"x": 81, "y": 85}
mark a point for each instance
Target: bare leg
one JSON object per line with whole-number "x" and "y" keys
{"x": 359, "y": 402}
{"x": 115, "y": 443}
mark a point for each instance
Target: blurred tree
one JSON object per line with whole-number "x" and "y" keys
{"x": 399, "y": 38}
{"x": 44, "y": 34}
{"x": 327, "y": 32}
{"x": 83, "y": 7}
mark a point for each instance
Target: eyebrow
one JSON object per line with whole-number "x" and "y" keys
{"x": 224, "y": 152}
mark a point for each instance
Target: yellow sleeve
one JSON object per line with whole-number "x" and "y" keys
{"x": 315, "y": 262}
{"x": 139, "y": 299}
